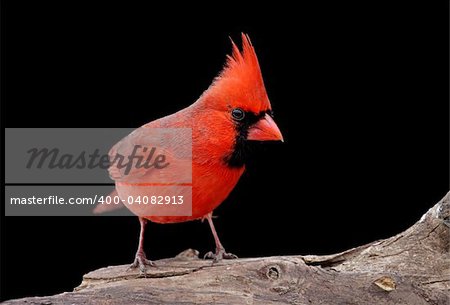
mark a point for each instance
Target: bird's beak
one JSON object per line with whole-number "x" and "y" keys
{"x": 265, "y": 130}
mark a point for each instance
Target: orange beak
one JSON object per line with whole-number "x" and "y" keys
{"x": 265, "y": 130}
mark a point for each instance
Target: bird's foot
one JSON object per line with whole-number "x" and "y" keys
{"x": 142, "y": 262}
{"x": 219, "y": 255}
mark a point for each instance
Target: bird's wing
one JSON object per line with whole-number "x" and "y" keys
{"x": 153, "y": 155}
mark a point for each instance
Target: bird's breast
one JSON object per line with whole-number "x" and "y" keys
{"x": 211, "y": 185}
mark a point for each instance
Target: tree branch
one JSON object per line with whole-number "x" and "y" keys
{"x": 409, "y": 268}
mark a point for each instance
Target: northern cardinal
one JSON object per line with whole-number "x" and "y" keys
{"x": 235, "y": 109}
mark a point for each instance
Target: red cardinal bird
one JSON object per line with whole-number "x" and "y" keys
{"x": 235, "y": 109}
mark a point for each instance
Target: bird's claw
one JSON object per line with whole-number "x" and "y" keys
{"x": 141, "y": 261}
{"x": 219, "y": 255}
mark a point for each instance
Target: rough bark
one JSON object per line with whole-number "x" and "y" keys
{"x": 412, "y": 267}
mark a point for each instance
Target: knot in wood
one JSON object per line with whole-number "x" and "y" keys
{"x": 273, "y": 272}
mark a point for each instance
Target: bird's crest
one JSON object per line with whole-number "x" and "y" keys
{"x": 241, "y": 81}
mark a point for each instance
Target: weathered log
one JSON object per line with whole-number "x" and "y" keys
{"x": 411, "y": 268}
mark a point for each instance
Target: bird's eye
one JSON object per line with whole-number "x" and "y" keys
{"x": 238, "y": 114}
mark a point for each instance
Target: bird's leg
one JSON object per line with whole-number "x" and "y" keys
{"x": 141, "y": 260}
{"x": 220, "y": 250}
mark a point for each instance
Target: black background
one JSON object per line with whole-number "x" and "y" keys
{"x": 359, "y": 91}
